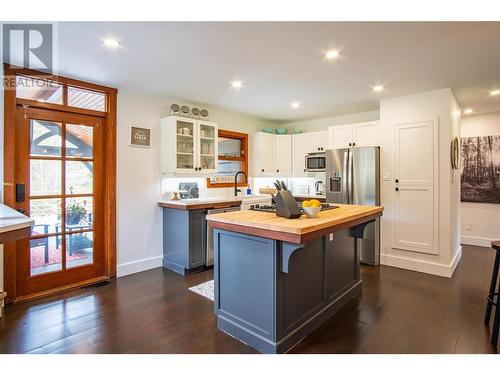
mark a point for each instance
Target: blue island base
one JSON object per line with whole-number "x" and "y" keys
{"x": 271, "y": 294}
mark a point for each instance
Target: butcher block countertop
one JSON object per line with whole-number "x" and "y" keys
{"x": 265, "y": 224}
{"x": 200, "y": 203}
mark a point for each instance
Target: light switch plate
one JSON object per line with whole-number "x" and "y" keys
{"x": 386, "y": 176}
{"x": 330, "y": 237}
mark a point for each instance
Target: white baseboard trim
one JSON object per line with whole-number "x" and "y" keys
{"x": 139, "y": 266}
{"x": 438, "y": 269}
{"x": 477, "y": 241}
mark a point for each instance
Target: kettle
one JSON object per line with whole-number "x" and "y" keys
{"x": 319, "y": 187}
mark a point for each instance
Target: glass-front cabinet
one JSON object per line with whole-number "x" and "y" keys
{"x": 188, "y": 145}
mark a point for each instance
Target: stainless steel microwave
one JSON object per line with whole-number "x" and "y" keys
{"x": 316, "y": 162}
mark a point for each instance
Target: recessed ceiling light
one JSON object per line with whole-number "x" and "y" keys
{"x": 295, "y": 105}
{"x": 111, "y": 43}
{"x": 495, "y": 92}
{"x": 237, "y": 84}
{"x": 332, "y": 54}
{"x": 378, "y": 88}
{"x": 468, "y": 111}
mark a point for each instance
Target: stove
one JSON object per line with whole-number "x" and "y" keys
{"x": 271, "y": 208}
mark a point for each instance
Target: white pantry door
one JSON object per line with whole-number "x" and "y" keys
{"x": 415, "y": 187}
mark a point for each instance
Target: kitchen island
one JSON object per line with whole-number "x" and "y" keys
{"x": 276, "y": 279}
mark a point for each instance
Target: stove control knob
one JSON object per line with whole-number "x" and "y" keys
{"x": 256, "y": 206}
{"x": 252, "y": 206}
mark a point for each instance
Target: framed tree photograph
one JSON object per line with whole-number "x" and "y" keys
{"x": 480, "y": 169}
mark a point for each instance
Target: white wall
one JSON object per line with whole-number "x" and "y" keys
{"x": 480, "y": 221}
{"x": 441, "y": 105}
{"x": 323, "y": 123}
{"x": 139, "y": 178}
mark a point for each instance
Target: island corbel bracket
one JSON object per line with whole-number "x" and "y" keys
{"x": 358, "y": 231}
{"x": 287, "y": 249}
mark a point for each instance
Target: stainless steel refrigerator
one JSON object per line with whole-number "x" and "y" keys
{"x": 353, "y": 177}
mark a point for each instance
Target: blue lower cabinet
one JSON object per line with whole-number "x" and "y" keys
{"x": 184, "y": 239}
{"x": 271, "y": 294}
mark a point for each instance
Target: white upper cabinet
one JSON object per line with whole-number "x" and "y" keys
{"x": 365, "y": 134}
{"x": 263, "y": 154}
{"x": 284, "y": 155}
{"x": 300, "y": 147}
{"x": 188, "y": 146}
{"x": 341, "y": 136}
{"x": 354, "y": 135}
{"x": 306, "y": 143}
{"x": 318, "y": 141}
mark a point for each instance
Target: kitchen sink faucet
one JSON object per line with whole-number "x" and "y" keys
{"x": 236, "y": 190}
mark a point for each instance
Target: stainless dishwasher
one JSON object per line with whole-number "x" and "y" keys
{"x": 210, "y": 233}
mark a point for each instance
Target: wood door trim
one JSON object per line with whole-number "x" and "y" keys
{"x": 109, "y": 162}
{"x": 61, "y": 289}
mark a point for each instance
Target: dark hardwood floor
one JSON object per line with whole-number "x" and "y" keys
{"x": 153, "y": 312}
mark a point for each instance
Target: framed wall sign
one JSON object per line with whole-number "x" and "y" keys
{"x": 140, "y": 137}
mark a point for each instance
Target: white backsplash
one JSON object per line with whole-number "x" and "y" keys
{"x": 171, "y": 184}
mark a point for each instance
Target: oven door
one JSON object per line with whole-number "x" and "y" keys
{"x": 316, "y": 162}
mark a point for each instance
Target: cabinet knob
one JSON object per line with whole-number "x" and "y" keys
{"x": 354, "y": 144}
{"x": 262, "y": 170}
{"x": 397, "y": 181}
{"x": 277, "y": 170}
{"x": 397, "y": 189}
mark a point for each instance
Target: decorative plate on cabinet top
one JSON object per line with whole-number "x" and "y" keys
{"x": 204, "y": 113}
{"x": 195, "y": 111}
{"x": 175, "y": 108}
{"x": 185, "y": 109}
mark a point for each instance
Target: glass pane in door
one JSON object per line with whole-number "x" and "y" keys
{"x": 79, "y": 177}
{"x": 185, "y": 161}
{"x": 44, "y": 91}
{"x": 185, "y": 144}
{"x": 45, "y": 138}
{"x": 207, "y": 147}
{"x": 79, "y": 213}
{"x": 45, "y": 255}
{"x": 79, "y": 141}
{"x": 79, "y": 249}
{"x": 45, "y": 177}
{"x": 47, "y": 216}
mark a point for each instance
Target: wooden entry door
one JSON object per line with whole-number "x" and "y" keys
{"x": 59, "y": 166}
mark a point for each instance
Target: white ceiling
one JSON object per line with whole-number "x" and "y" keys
{"x": 280, "y": 62}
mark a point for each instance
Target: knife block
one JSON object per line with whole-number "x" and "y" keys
{"x": 286, "y": 205}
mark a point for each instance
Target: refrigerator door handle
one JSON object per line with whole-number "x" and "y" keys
{"x": 345, "y": 176}
{"x": 350, "y": 170}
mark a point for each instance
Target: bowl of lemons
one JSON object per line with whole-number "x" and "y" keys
{"x": 312, "y": 207}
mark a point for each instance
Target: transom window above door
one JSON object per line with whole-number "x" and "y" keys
{"x": 54, "y": 93}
